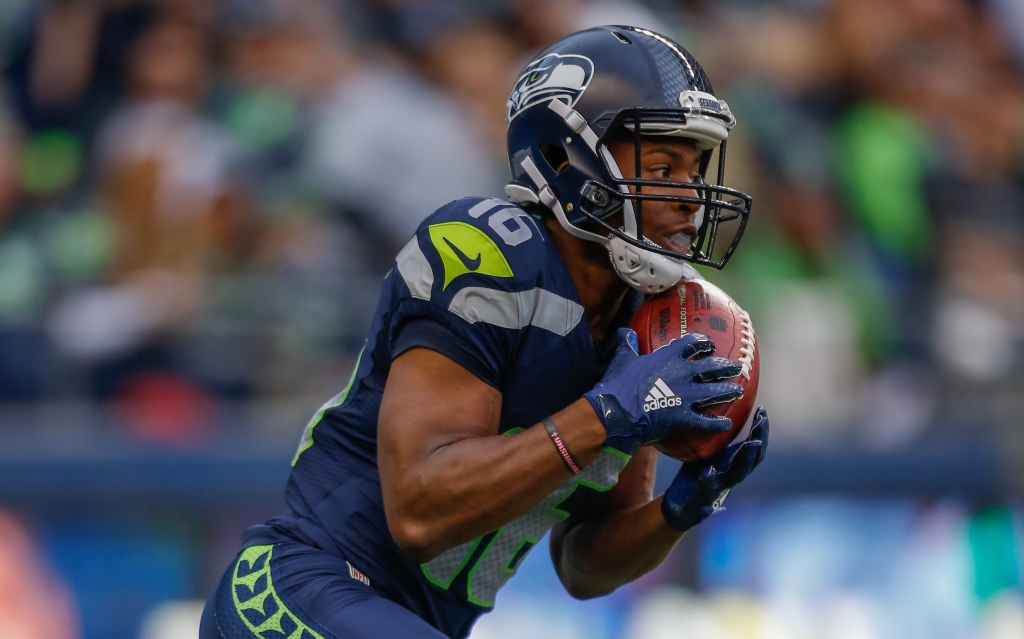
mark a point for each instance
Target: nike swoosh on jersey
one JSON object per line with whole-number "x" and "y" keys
{"x": 456, "y": 240}
{"x": 472, "y": 264}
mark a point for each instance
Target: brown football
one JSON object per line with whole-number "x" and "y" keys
{"x": 698, "y": 306}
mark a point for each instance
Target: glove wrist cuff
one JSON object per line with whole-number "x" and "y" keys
{"x": 617, "y": 422}
{"x": 676, "y": 519}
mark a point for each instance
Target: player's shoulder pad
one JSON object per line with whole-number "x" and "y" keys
{"x": 486, "y": 260}
{"x": 482, "y": 241}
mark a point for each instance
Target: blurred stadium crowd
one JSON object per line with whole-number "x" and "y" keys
{"x": 198, "y": 200}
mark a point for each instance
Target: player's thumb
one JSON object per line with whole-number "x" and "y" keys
{"x": 629, "y": 344}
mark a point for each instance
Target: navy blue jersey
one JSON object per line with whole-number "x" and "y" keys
{"x": 481, "y": 283}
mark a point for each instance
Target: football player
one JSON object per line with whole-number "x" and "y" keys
{"x": 498, "y": 396}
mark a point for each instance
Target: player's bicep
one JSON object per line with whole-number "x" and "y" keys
{"x": 430, "y": 401}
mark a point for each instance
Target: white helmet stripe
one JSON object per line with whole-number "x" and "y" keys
{"x": 575, "y": 121}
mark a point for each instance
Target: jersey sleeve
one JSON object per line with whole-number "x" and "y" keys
{"x": 471, "y": 272}
{"x": 426, "y": 333}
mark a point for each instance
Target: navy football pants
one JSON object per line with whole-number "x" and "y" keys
{"x": 291, "y": 591}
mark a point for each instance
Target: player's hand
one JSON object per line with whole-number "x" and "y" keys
{"x": 643, "y": 398}
{"x": 699, "y": 489}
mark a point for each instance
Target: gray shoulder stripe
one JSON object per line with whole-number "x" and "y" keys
{"x": 475, "y": 304}
{"x": 415, "y": 270}
{"x": 480, "y": 208}
{"x": 555, "y": 313}
{"x": 535, "y": 307}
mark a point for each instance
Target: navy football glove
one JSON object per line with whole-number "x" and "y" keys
{"x": 643, "y": 398}
{"x": 699, "y": 489}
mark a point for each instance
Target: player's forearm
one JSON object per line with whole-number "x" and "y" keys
{"x": 597, "y": 556}
{"x": 476, "y": 485}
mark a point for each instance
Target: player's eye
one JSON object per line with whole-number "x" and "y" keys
{"x": 661, "y": 172}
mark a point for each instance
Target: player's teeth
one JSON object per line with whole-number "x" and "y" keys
{"x": 680, "y": 239}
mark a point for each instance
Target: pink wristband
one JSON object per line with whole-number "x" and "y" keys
{"x": 563, "y": 450}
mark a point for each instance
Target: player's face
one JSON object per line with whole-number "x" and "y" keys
{"x": 671, "y": 225}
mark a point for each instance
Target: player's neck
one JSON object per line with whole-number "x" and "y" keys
{"x": 601, "y": 291}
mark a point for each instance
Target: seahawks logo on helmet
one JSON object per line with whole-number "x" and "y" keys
{"x": 553, "y": 76}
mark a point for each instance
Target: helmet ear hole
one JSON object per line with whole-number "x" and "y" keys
{"x": 555, "y": 156}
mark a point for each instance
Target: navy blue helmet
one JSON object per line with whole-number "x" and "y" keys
{"x": 566, "y": 107}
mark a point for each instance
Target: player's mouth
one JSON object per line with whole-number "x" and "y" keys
{"x": 682, "y": 240}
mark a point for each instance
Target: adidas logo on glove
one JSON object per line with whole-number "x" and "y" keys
{"x": 660, "y": 396}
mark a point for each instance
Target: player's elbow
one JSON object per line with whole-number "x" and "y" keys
{"x": 413, "y": 525}
{"x": 584, "y": 594}
{"x": 579, "y": 584}
{"x": 582, "y": 588}
{"x": 413, "y": 538}
{"x": 577, "y": 591}
{"x": 418, "y": 538}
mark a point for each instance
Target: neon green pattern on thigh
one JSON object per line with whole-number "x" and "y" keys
{"x": 251, "y": 576}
